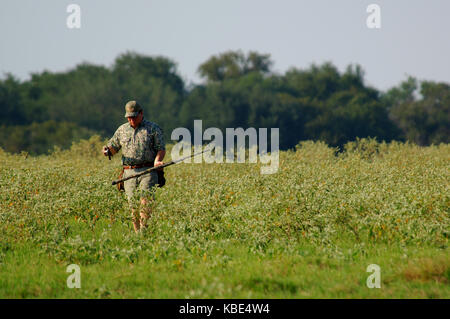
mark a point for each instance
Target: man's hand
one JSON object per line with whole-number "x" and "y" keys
{"x": 158, "y": 163}
{"x": 159, "y": 158}
{"x": 106, "y": 151}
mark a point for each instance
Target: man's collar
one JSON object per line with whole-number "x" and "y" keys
{"x": 140, "y": 124}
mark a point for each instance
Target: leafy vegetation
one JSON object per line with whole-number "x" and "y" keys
{"x": 315, "y": 103}
{"x": 226, "y": 231}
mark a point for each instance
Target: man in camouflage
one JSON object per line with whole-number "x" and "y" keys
{"x": 143, "y": 146}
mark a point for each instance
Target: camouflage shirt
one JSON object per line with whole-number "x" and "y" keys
{"x": 138, "y": 145}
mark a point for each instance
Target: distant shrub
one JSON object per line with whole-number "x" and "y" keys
{"x": 366, "y": 148}
{"x": 88, "y": 148}
{"x": 41, "y": 138}
{"x": 315, "y": 150}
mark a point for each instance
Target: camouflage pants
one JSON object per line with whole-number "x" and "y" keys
{"x": 140, "y": 187}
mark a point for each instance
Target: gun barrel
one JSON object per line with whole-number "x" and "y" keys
{"x": 155, "y": 168}
{"x": 142, "y": 173}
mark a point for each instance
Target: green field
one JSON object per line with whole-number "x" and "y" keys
{"x": 226, "y": 231}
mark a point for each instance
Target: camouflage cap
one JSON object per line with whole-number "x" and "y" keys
{"x": 132, "y": 109}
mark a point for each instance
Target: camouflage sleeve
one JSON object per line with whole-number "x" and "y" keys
{"x": 114, "y": 142}
{"x": 160, "y": 144}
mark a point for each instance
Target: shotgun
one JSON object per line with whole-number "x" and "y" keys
{"x": 155, "y": 168}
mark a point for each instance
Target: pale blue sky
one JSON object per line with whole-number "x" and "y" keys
{"x": 413, "y": 39}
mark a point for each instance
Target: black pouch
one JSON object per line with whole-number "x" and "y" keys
{"x": 161, "y": 178}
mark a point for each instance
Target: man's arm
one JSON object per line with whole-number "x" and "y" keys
{"x": 159, "y": 158}
{"x": 113, "y": 145}
{"x": 160, "y": 146}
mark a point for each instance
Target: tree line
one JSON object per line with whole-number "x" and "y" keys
{"x": 238, "y": 90}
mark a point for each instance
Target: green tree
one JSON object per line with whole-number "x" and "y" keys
{"x": 39, "y": 138}
{"x": 233, "y": 64}
{"x": 11, "y": 104}
{"x": 423, "y": 117}
{"x": 154, "y": 82}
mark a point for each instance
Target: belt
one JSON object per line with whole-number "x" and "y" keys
{"x": 138, "y": 166}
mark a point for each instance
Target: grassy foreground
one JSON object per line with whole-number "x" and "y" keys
{"x": 226, "y": 231}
